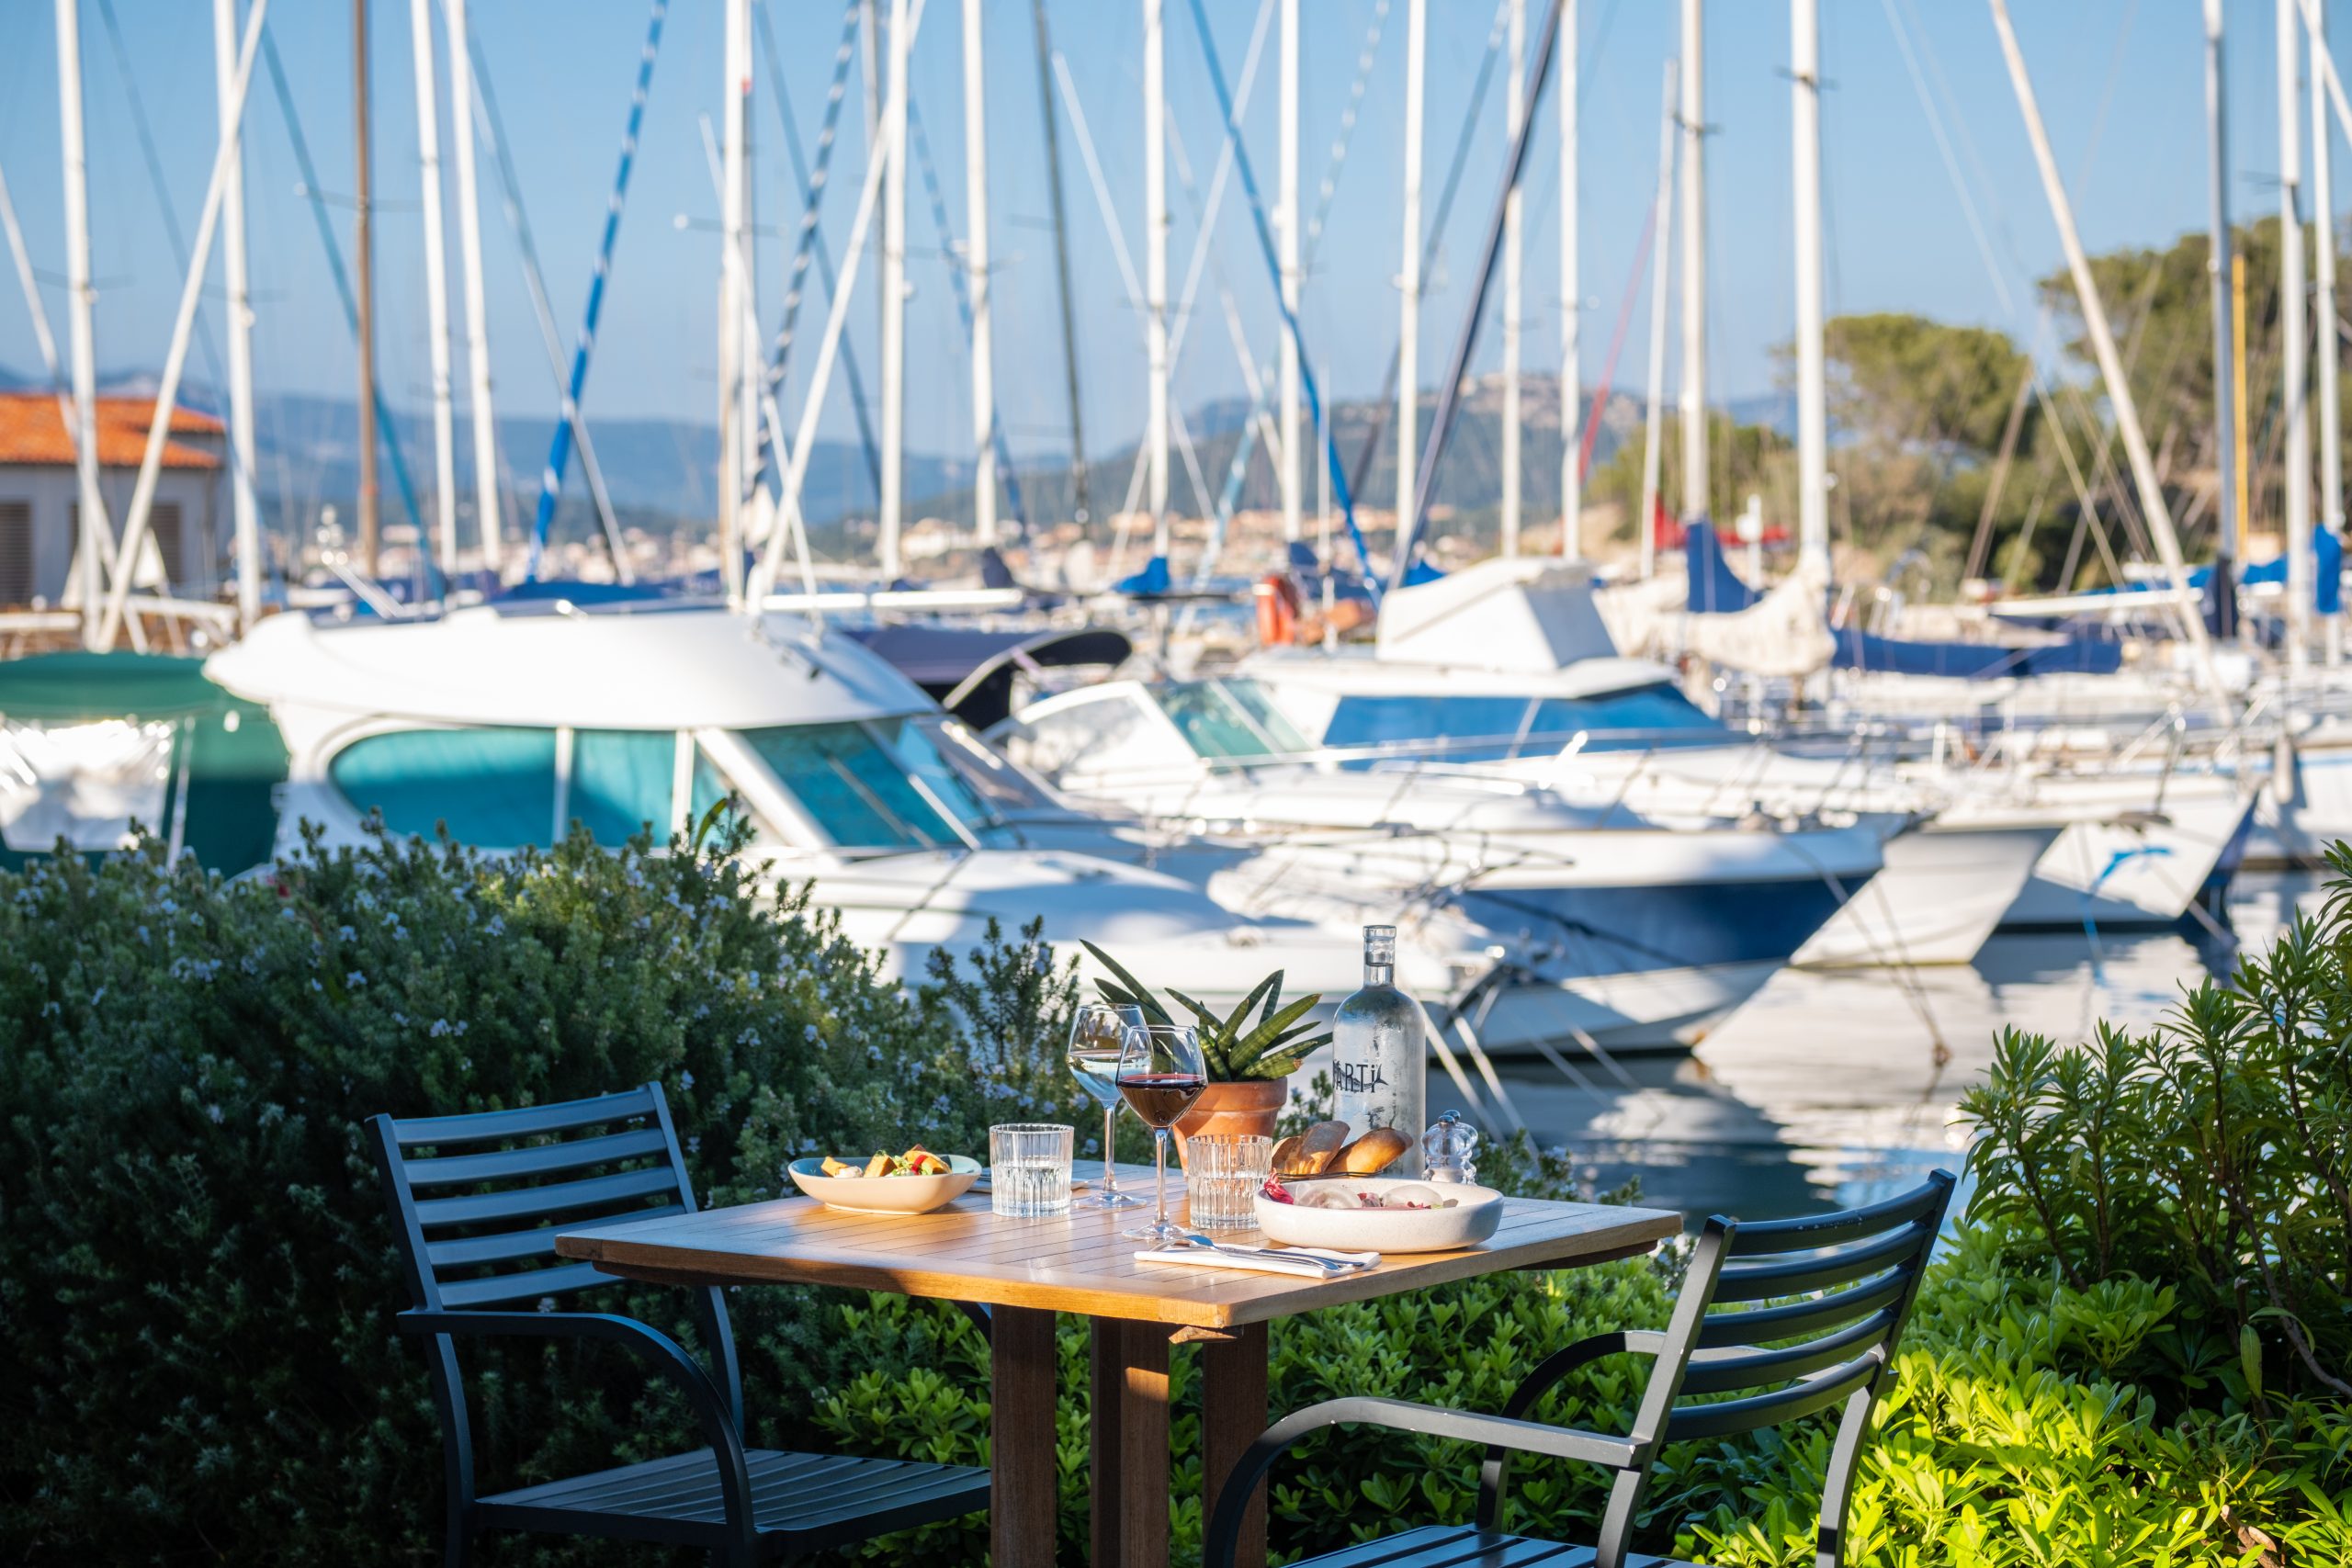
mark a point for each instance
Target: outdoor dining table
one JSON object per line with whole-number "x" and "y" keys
{"x": 1025, "y": 1270}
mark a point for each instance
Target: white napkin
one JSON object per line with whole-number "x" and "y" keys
{"x": 1257, "y": 1262}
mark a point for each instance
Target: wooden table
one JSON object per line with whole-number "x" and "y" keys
{"x": 1026, "y": 1270}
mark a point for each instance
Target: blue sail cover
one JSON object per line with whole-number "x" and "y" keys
{"x": 1715, "y": 588}
{"x": 1152, "y": 580}
{"x": 2327, "y": 572}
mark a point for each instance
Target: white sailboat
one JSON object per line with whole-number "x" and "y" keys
{"x": 507, "y": 725}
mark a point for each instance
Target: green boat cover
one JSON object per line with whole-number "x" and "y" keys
{"x": 225, "y": 758}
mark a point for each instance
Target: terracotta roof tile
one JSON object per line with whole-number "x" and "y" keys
{"x": 33, "y": 433}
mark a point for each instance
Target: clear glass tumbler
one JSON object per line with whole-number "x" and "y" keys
{"x": 1029, "y": 1168}
{"x": 1223, "y": 1172}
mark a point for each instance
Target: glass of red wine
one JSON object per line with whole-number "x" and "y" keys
{"x": 1161, "y": 1073}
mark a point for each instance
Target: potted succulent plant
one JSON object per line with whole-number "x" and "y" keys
{"x": 1251, "y": 1053}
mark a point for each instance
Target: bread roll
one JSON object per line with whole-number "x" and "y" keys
{"x": 1322, "y": 1143}
{"x": 1284, "y": 1160}
{"x": 1373, "y": 1152}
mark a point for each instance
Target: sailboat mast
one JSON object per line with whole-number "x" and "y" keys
{"x": 477, "y": 400}
{"x": 2221, "y": 270}
{"x": 2330, "y": 344}
{"x": 1514, "y": 117}
{"x": 2110, "y": 364}
{"x": 1286, "y": 226}
{"x": 1695, "y": 262}
{"x": 1571, "y": 303}
{"x": 1661, "y": 259}
{"x": 894, "y": 292}
{"x": 364, "y": 244}
{"x": 1812, "y": 403}
{"x": 94, "y": 544}
{"x": 1155, "y": 228}
{"x": 976, "y": 260}
{"x": 1081, "y": 511}
{"x": 2292, "y": 327}
{"x": 1408, "y": 279}
{"x": 245, "y": 508}
{"x": 436, "y": 282}
{"x": 732, "y": 410}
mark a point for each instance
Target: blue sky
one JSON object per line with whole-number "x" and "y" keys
{"x": 2121, "y": 81}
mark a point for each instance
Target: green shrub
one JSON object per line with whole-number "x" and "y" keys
{"x": 196, "y": 1274}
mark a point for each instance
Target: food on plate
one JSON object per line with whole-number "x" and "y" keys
{"x": 916, "y": 1161}
{"x": 1336, "y": 1195}
{"x": 1373, "y": 1152}
{"x": 1284, "y": 1161}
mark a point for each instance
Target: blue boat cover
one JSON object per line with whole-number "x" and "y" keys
{"x": 1152, "y": 580}
{"x": 1715, "y": 588}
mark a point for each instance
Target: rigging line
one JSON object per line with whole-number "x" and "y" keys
{"x": 145, "y": 135}
{"x": 1339, "y": 488}
{"x": 1350, "y": 117}
{"x": 811, "y": 243}
{"x": 1102, "y": 187}
{"x": 1385, "y": 405}
{"x": 492, "y": 128}
{"x": 961, "y": 287}
{"x": 559, "y": 449}
{"x": 311, "y": 186}
{"x": 1078, "y": 487}
{"x": 1206, "y": 220}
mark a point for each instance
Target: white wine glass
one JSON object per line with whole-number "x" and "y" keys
{"x": 1098, "y": 1037}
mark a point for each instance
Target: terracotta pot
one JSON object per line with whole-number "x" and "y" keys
{"x": 1251, "y": 1106}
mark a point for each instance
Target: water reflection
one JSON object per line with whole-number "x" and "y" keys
{"x": 1837, "y": 1087}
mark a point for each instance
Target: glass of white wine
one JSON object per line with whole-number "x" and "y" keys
{"x": 1096, "y": 1037}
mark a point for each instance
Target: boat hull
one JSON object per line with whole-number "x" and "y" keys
{"x": 1943, "y": 893}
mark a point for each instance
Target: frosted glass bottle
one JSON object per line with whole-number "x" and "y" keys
{"x": 1377, "y": 1054}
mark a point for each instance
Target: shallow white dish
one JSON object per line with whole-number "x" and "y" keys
{"x": 1478, "y": 1211}
{"x": 886, "y": 1194}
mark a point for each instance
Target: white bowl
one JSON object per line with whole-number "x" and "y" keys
{"x": 886, "y": 1194}
{"x": 1478, "y": 1211}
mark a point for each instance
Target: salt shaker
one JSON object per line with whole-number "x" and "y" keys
{"x": 1446, "y": 1149}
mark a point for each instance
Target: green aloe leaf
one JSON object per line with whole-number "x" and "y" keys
{"x": 1137, "y": 994}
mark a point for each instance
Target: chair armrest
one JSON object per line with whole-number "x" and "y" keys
{"x": 1494, "y": 1473}
{"x": 1396, "y": 1415}
{"x": 665, "y": 1354}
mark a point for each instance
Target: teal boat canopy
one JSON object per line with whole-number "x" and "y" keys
{"x": 91, "y": 742}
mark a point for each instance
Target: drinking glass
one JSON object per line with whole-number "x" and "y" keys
{"x": 1029, "y": 1168}
{"x": 1097, "y": 1037}
{"x": 1223, "y": 1173}
{"x": 1161, "y": 1073}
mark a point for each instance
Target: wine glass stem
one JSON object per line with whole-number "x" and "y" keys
{"x": 1109, "y": 1175}
{"x": 1160, "y": 1171}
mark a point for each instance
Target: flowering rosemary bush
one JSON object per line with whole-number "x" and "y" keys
{"x": 197, "y": 1276}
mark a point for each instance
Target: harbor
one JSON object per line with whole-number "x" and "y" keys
{"x": 1031, "y": 783}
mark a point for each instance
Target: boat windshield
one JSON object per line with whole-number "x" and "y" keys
{"x": 1493, "y": 729}
{"x": 875, "y": 784}
{"x": 1230, "y": 720}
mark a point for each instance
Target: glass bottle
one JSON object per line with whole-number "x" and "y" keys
{"x": 1377, "y": 1054}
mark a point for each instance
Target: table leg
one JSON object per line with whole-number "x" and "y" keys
{"x": 1105, "y": 1389}
{"x": 1134, "y": 1494}
{"x": 1233, "y": 1412}
{"x": 1025, "y": 1489}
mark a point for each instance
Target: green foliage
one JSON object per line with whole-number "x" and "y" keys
{"x": 196, "y": 1272}
{"x": 1260, "y": 1038}
{"x": 2213, "y": 1151}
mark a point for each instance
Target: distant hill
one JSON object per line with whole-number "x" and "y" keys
{"x": 660, "y": 471}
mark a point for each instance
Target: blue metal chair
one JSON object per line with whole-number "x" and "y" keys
{"x": 502, "y": 1185}
{"x": 1838, "y": 1288}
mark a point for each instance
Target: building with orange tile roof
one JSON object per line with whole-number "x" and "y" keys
{"x": 40, "y": 499}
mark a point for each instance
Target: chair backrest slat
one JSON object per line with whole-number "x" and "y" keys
{"x": 528, "y": 1285}
{"x": 1761, "y": 1279}
{"x": 1846, "y": 1226}
{"x": 1815, "y": 1315}
{"x": 549, "y": 1198}
{"x": 505, "y": 1246}
{"x": 1715, "y": 1372}
{"x": 526, "y": 1122}
{"x": 1816, "y": 1392}
{"x": 534, "y": 1160}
